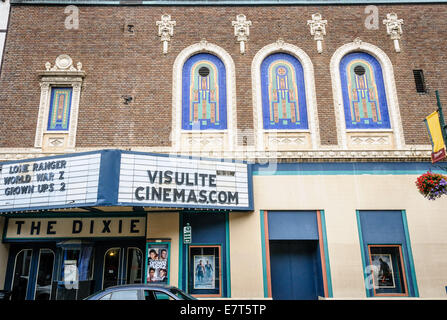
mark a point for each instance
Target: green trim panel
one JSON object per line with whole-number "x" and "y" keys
{"x": 410, "y": 254}
{"x": 264, "y": 257}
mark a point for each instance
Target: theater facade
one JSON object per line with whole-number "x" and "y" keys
{"x": 254, "y": 150}
{"x": 104, "y": 234}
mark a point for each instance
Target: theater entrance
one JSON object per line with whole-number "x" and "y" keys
{"x": 72, "y": 270}
{"x": 71, "y": 257}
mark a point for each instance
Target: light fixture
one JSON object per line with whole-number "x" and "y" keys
{"x": 127, "y": 99}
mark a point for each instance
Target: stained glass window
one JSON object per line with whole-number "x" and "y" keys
{"x": 204, "y": 105}
{"x": 60, "y": 105}
{"x": 364, "y": 97}
{"x": 283, "y": 93}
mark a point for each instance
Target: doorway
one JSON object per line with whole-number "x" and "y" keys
{"x": 294, "y": 256}
{"x": 33, "y": 270}
{"x": 295, "y": 270}
{"x": 119, "y": 263}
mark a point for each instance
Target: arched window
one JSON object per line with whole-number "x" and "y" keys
{"x": 284, "y": 99}
{"x": 204, "y": 94}
{"x": 364, "y": 97}
{"x": 283, "y": 93}
{"x": 203, "y": 100}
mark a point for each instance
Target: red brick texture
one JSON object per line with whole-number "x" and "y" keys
{"x": 119, "y": 64}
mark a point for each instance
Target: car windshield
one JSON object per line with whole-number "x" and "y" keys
{"x": 181, "y": 294}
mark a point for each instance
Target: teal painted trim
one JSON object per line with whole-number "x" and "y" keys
{"x": 180, "y": 253}
{"x": 227, "y": 249}
{"x": 5, "y": 228}
{"x": 326, "y": 254}
{"x": 410, "y": 254}
{"x": 264, "y": 258}
{"x": 169, "y": 261}
{"x": 344, "y": 172}
{"x": 146, "y": 259}
{"x": 221, "y": 2}
{"x": 365, "y": 275}
{"x": 187, "y": 269}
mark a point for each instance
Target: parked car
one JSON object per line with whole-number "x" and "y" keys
{"x": 141, "y": 292}
{"x": 5, "y": 295}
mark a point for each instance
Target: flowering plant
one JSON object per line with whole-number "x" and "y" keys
{"x": 432, "y": 185}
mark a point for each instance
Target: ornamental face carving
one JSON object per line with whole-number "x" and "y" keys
{"x": 241, "y": 30}
{"x": 317, "y": 29}
{"x": 165, "y": 30}
{"x": 394, "y": 28}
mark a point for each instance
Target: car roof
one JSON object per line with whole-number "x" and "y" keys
{"x": 137, "y": 286}
{"x": 142, "y": 286}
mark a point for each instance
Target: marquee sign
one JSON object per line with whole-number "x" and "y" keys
{"x": 49, "y": 182}
{"x": 151, "y": 180}
{"x": 124, "y": 178}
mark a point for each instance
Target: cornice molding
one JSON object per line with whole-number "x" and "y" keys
{"x": 414, "y": 153}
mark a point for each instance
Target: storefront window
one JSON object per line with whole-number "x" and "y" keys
{"x": 111, "y": 267}
{"x": 21, "y": 274}
{"x": 44, "y": 275}
{"x": 134, "y": 265}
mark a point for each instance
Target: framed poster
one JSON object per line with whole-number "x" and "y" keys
{"x": 157, "y": 262}
{"x": 384, "y": 277}
{"x": 388, "y": 272}
{"x": 205, "y": 278}
{"x": 204, "y": 271}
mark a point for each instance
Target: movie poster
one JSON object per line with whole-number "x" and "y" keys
{"x": 157, "y": 263}
{"x": 204, "y": 272}
{"x": 384, "y": 277}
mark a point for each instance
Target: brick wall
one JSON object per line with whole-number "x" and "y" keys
{"x": 118, "y": 64}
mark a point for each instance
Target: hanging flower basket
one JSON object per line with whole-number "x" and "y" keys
{"x": 432, "y": 185}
